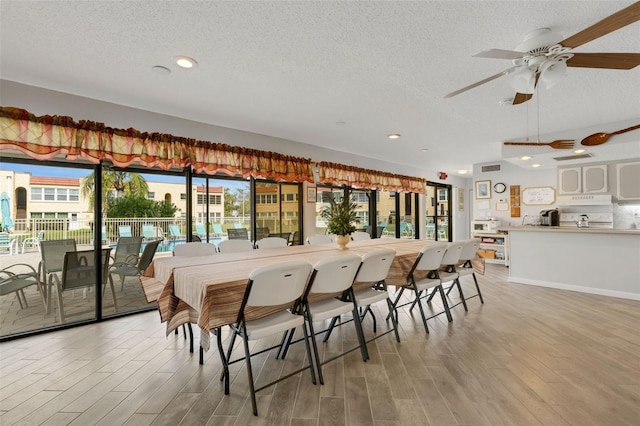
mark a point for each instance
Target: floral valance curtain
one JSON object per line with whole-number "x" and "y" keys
{"x": 46, "y": 137}
{"x": 339, "y": 174}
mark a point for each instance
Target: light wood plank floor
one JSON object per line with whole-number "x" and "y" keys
{"x": 528, "y": 356}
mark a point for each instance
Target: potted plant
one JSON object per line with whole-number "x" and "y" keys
{"x": 340, "y": 217}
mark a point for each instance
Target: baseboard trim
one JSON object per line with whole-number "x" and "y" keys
{"x": 580, "y": 289}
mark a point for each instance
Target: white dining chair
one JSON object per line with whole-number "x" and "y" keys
{"x": 360, "y": 236}
{"x": 280, "y": 285}
{"x": 194, "y": 249}
{"x": 319, "y": 239}
{"x": 333, "y": 275}
{"x": 423, "y": 277}
{"x": 271, "y": 242}
{"x": 235, "y": 246}
{"x": 465, "y": 268}
{"x": 449, "y": 274}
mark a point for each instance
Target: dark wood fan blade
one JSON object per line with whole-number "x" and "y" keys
{"x": 521, "y": 98}
{"x": 499, "y": 54}
{"x": 486, "y": 80}
{"x": 616, "y": 61}
{"x": 620, "y": 19}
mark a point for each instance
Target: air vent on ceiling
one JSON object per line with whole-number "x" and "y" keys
{"x": 573, "y": 157}
{"x": 491, "y": 168}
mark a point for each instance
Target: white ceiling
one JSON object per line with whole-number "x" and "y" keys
{"x": 296, "y": 70}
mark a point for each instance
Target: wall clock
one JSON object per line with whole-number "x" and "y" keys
{"x": 499, "y": 187}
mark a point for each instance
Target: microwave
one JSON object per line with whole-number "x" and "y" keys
{"x": 485, "y": 226}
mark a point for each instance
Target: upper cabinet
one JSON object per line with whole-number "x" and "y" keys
{"x": 594, "y": 179}
{"x": 582, "y": 180}
{"x": 628, "y": 181}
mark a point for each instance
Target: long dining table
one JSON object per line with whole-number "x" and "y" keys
{"x": 208, "y": 290}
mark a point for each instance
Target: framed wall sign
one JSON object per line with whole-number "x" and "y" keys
{"x": 311, "y": 194}
{"x": 538, "y": 196}
{"x": 483, "y": 189}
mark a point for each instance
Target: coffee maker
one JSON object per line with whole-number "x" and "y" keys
{"x": 550, "y": 217}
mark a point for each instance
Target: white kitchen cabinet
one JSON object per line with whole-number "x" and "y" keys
{"x": 628, "y": 180}
{"x": 582, "y": 180}
{"x": 594, "y": 179}
{"x": 570, "y": 180}
{"x": 493, "y": 247}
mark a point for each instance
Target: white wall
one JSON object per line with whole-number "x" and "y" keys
{"x": 512, "y": 175}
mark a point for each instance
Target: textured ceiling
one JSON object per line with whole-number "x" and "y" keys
{"x": 296, "y": 69}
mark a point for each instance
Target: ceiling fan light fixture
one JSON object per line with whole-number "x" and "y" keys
{"x": 552, "y": 72}
{"x": 523, "y": 80}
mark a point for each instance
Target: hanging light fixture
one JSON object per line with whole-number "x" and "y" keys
{"x": 523, "y": 80}
{"x": 552, "y": 72}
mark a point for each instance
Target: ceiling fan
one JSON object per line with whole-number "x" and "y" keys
{"x": 542, "y": 56}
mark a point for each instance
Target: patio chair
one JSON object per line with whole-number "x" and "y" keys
{"x": 237, "y": 234}
{"x": 124, "y": 231}
{"x": 217, "y": 230}
{"x": 33, "y": 242}
{"x": 201, "y": 230}
{"x": 15, "y": 278}
{"x": 125, "y": 269}
{"x": 52, "y": 253}
{"x": 127, "y": 250}
{"x": 174, "y": 231}
{"x": 262, "y": 232}
{"x": 79, "y": 271}
{"x": 150, "y": 233}
{"x": 6, "y": 242}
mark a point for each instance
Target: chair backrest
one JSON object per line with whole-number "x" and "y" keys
{"x": 175, "y": 230}
{"x": 379, "y": 230}
{"x": 200, "y": 229}
{"x": 262, "y": 232}
{"x": 334, "y": 274}
{"x": 195, "y": 238}
{"x": 5, "y": 239}
{"x": 148, "y": 231}
{"x": 470, "y": 249}
{"x": 319, "y": 239}
{"x": 375, "y": 265}
{"x": 194, "y": 249}
{"x": 79, "y": 270}
{"x": 360, "y": 236}
{"x": 147, "y": 255}
{"x": 40, "y": 235}
{"x": 452, "y": 255}
{"x": 217, "y": 229}
{"x": 277, "y": 284}
{"x": 52, "y": 253}
{"x": 128, "y": 250}
{"x": 237, "y": 234}
{"x": 124, "y": 231}
{"x": 235, "y": 246}
{"x": 430, "y": 257}
{"x": 271, "y": 242}
{"x": 238, "y": 226}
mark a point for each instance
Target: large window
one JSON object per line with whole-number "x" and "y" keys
{"x": 438, "y": 209}
{"x": 278, "y": 210}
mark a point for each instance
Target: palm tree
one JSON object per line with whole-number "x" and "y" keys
{"x": 115, "y": 184}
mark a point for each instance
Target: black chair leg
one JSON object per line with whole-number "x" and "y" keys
{"x": 190, "y": 337}
{"x": 477, "y": 288}
{"x": 394, "y": 318}
{"x": 316, "y": 354}
{"x": 444, "y": 302}
{"x": 464, "y": 301}
{"x": 225, "y": 364}
{"x": 330, "y": 329}
{"x": 424, "y": 317}
{"x": 252, "y": 390}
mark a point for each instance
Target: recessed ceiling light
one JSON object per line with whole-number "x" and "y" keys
{"x": 159, "y": 69}
{"x": 463, "y": 172}
{"x": 526, "y": 157}
{"x": 393, "y": 136}
{"x": 185, "y": 62}
{"x": 579, "y": 151}
{"x": 536, "y": 165}
{"x": 424, "y": 149}
{"x": 341, "y": 123}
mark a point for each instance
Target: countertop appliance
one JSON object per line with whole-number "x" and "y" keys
{"x": 550, "y": 217}
{"x": 486, "y": 226}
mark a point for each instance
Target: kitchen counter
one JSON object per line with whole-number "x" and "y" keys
{"x": 590, "y": 260}
{"x": 532, "y": 228}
